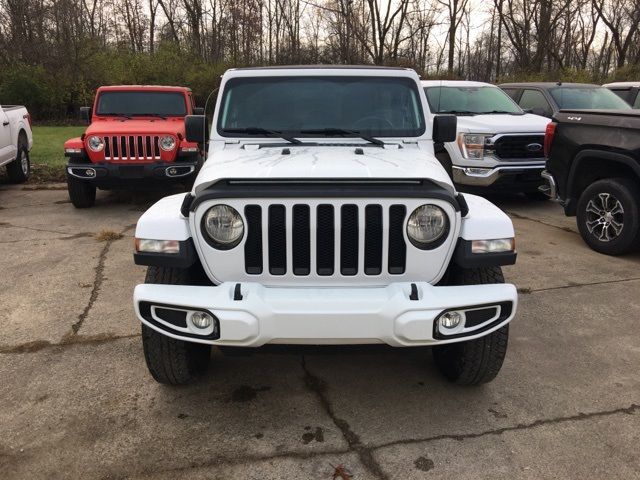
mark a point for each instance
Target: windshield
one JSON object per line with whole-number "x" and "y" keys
{"x": 141, "y": 103}
{"x": 321, "y": 106}
{"x": 470, "y": 100}
{"x": 587, "y": 98}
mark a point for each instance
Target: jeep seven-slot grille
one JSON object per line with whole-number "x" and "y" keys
{"x": 132, "y": 147}
{"x": 519, "y": 147}
{"x": 334, "y": 241}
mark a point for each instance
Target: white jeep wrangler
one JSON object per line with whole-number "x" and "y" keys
{"x": 322, "y": 217}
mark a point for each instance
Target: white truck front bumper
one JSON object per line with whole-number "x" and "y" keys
{"x": 251, "y": 315}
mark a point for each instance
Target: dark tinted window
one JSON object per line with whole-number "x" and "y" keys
{"x": 463, "y": 99}
{"x": 141, "y": 103}
{"x": 378, "y": 106}
{"x": 512, "y": 92}
{"x": 587, "y": 98}
{"x": 534, "y": 99}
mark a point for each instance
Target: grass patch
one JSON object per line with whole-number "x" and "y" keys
{"x": 108, "y": 235}
{"x": 47, "y": 154}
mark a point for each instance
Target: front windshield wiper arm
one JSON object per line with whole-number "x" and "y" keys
{"x": 502, "y": 111}
{"x": 342, "y": 132}
{"x": 159, "y": 115}
{"x": 263, "y": 131}
{"x": 124, "y": 115}
{"x": 459, "y": 112}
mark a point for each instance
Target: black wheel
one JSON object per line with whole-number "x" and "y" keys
{"x": 445, "y": 161}
{"x": 20, "y": 169}
{"x": 608, "y": 216}
{"x": 170, "y": 361}
{"x": 81, "y": 192}
{"x": 475, "y": 361}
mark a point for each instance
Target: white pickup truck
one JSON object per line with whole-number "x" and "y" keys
{"x": 16, "y": 141}
{"x": 499, "y": 147}
{"x": 322, "y": 217}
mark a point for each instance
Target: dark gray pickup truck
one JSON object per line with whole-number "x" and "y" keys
{"x": 593, "y": 169}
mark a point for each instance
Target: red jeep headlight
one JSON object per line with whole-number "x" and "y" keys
{"x": 167, "y": 143}
{"x": 95, "y": 144}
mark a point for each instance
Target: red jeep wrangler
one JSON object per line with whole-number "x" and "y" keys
{"x": 135, "y": 135}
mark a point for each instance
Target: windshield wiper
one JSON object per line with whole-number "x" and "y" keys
{"x": 125, "y": 115}
{"x": 158, "y": 115}
{"x": 329, "y": 132}
{"x": 501, "y": 111}
{"x": 459, "y": 112}
{"x": 263, "y": 131}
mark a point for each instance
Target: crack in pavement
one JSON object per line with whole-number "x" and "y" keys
{"x": 244, "y": 459}
{"x": 38, "y": 345}
{"x": 358, "y": 448}
{"x": 542, "y": 222}
{"x": 10, "y": 225}
{"x": 97, "y": 284}
{"x": 630, "y": 410}
{"x": 526, "y": 291}
{"x": 318, "y": 386}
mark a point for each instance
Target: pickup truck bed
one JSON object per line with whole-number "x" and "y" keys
{"x": 593, "y": 169}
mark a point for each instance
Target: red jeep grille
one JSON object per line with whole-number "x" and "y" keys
{"x": 131, "y": 147}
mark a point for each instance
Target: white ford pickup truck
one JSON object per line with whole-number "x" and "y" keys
{"x": 322, "y": 217}
{"x": 16, "y": 141}
{"x": 498, "y": 147}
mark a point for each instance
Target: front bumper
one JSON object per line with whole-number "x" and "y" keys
{"x": 549, "y": 188}
{"x": 506, "y": 176}
{"x": 400, "y": 314}
{"x": 105, "y": 173}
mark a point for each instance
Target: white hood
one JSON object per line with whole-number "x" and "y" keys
{"x": 308, "y": 162}
{"x": 502, "y": 123}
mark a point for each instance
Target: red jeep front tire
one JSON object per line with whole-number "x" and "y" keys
{"x": 81, "y": 193}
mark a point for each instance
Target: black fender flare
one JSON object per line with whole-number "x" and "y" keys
{"x": 590, "y": 153}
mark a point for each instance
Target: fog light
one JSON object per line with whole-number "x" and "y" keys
{"x": 450, "y": 320}
{"x": 201, "y": 320}
{"x": 90, "y": 172}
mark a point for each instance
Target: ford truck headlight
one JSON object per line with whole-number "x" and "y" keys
{"x": 167, "y": 143}
{"x": 95, "y": 144}
{"x": 473, "y": 145}
{"x": 428, "y": 226}
{"x": 223, "y": 227}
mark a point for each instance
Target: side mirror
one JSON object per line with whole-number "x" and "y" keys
{"x": 445, "y": 128}
{"x": 85, "y": 114}
{"x": 196, "y": 128}
{"x": 198, "y": 111}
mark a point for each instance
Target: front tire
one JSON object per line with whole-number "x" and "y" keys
{"x": 478, "y": 361}
{"x": 81, "y": 192}
{"x": 608, "y": 216}
{"x": 170, "y": 361}
{"x": 20, "y": 169}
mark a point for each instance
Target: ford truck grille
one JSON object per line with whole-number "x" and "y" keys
{"x": 131, "y": 147}
{"x": 519, "y": 147}
{"x": 344, "y": 237}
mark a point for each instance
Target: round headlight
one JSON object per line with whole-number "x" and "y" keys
{"x": 95, "y": 143}
{"x": 428, "y": 226}
{"x": 167, "y": 143}
{"x": 223, "y": 226}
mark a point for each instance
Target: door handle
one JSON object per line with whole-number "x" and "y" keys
{"x": 4, "y": 124}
